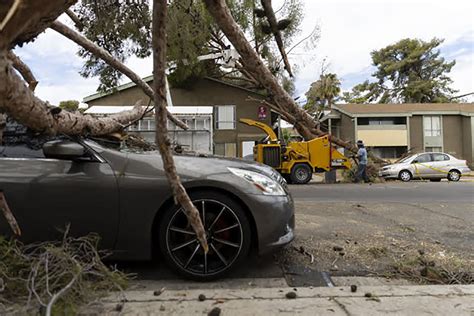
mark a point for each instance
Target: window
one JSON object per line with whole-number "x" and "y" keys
{"x": 432, "y": 125}
{"x": 423, "y": 158}
{"x": 225, "y": 117}
{"x": 230, "y": 150}
{"x": 381, "y": 121}
{"x": 440, "y": 157}
{"x": 434, "y": 149}
{"x": 226, "y": 149}
{"x": 389, "y": 152}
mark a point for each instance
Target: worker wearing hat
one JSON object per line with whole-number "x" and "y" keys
{"x": 362, "y": 157}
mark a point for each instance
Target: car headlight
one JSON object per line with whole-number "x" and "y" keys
{"x": 265, "y": 184}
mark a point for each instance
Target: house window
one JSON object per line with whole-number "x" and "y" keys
{"x": 389, "y": 152}
{"x": 381, "y": 121}
{"x": 432, "y": 125}
{"x": 225, "y": 117}
{"x": 435, "y": 149}
{"x": 230, "y": 150}
{"x": 226, "y": 149}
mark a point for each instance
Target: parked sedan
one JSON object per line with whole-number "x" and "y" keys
{"x": 432, "y": 166}
{"x": 126, "y": 199}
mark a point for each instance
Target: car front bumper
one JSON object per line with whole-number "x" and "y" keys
{"x": 388, "y": 174}
{"x": 274, "y": 220}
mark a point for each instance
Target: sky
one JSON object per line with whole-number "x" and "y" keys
{"x": 349, "y": 31}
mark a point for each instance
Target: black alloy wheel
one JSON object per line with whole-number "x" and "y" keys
{"x": 227, "y": 231}
{"x": 301, "y": 174}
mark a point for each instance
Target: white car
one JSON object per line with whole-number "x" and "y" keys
{"x": 432, "y": 165}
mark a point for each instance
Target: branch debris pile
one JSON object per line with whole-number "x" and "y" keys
{"x": 54, "y": 277}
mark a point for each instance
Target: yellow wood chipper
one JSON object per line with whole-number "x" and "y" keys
{"x": 297, "y": 161}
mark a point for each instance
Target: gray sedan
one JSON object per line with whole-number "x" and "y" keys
{"x": 126, "y": 199}
{"x": 433, "y": 166}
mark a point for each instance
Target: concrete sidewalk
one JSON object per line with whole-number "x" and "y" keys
{"x": 367, "y": 300}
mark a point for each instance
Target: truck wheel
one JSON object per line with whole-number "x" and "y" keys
{"x": 301, "y": 174}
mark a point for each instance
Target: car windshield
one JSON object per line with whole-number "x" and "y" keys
{"x": 406, "y": 159}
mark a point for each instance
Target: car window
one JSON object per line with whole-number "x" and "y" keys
{"x": 406, "y": 159}
{"x": 423, "y": 158}
{"x": 440, "y": 157}
{"x": 19, "y": 141}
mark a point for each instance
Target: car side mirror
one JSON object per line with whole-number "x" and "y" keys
{"x": 414, "y": 161}
{"x": 63, "y": 149}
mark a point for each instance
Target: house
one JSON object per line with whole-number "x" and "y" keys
{"x": 393, "y": 129}
{"x": 225, "y": 103}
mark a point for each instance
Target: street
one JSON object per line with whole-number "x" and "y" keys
{"x": 392, "y": 191}
{"x": 373, "y": 226}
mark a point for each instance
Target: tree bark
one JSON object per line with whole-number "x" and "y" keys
{"x": 162, "y": 138}
{"x": 267, "y": 7}
{"x": 111, "y": 61}
{"x": 22, "y": 20}
{"x": 24, "y": 70}
{"x": 19, "y": 102}
{"x": 7, "y": 213}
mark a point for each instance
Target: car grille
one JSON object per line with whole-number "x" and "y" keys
{"x": 271, "y": 156}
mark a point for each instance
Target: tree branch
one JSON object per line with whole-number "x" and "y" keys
{"x": 267, "y": 7}
{"x": 162, "y": 138}
{"x": 111, "y": 61}
{"x": 24, "y": 70}
{"x": 9, "y": 215}
{"x": 19, "y": 102}
{"x": 75, "y": 19}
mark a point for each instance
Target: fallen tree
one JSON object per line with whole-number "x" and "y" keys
{"x": 295, "y": 115}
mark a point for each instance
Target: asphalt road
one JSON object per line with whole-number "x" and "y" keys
{"x": 393, "y": 191}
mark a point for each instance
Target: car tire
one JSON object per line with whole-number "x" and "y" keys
{"x": 301, "y": 174}
{"x": 405, "y": 176}
{"x": 229, "y": 237}
{"x": 454, "y": 175}
{"x": 436, "y": 180}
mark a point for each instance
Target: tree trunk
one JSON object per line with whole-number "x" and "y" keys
{"x": 19, "y": 102}
{"x": 22, "y": 20}
{"x": 162, "y": 138}
{"x": 111, "y": 61}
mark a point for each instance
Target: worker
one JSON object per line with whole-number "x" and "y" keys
{"x": 362, "y": 167}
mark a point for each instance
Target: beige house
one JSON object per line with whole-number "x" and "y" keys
{"x": 392, "y": 129}
{"x": 228, "y": 104}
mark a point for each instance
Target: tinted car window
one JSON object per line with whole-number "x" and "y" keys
{"x": 423, "y": 158}
{"x": 19, "y": 141}
{"x": 440, "y": 157}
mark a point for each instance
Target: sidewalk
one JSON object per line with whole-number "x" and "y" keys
{"x": 367, "y": 300}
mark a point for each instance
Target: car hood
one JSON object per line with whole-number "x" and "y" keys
{"x": 201, "y": 165}
{"x": 395, "y": 165}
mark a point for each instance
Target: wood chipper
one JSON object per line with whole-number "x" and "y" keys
{"x": 297, "y": 161}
